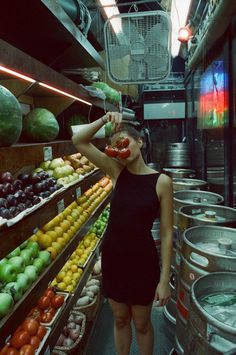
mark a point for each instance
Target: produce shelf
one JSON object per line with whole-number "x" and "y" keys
{"x": 15, "y": 157}
{"x": 58, "y": 40}
{"x": 62, "y": 319}
{"x": 8, "y": 324}
{"x": 13, "y": 236}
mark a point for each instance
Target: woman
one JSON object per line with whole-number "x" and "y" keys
{"x": 130, "y": 263}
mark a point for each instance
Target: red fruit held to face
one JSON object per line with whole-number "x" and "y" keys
{"x": 122, "y": 142}
{"x": 110, "y": 151}
{"x": 124, "y": 153}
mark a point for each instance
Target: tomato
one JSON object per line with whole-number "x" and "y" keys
{"x": 12, "y": 351}
{"x": 44, "y": 302}
{"x": 30, "y": 325}
{"x": 57, "y": 301}
{"x": 123, "y": 153}
{"x": 35, "y": 341}
{"x": 110, "y": 151}
{"x": 20, "y": 338}
{"x": 51, "y": 311}
{"x": 46, "y": 317}
{"x": 41, "y": 332}
{"x": 49, "y": 292}
{"x": 27, "y": 350}
{"x": 4, "y": 350}
{"x": 122, "y": 142}
{"x": 36, "y": 313}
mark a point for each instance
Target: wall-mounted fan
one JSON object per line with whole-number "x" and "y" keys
{"x": 138, "y": 47}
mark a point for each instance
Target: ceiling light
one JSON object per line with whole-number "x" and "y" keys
{"x": 65, "y": 93}
{"x": 15, "y": 73}
{"x": 184, "y": 34}
{"x": 179, "y": 15}
{"x": 110, "y": 9}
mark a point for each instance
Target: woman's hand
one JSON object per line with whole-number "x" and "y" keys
{"x": 115, "y": 118}
{"x": 162, "y": 293}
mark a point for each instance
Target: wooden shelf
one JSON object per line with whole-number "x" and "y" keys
{"x": 22, "y": 154}
{"x": 20, "y": 62}
{"x": 13, "y": 236}
{"x": 8, "y": 324}
{"x": 42, "y": 29}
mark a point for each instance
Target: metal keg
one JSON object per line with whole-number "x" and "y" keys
{"x": 205, "y": 249}
{"x": 193, "y": 197}
{"x": 154, "y": 166}
{"x": 215, "y": 172}
{"x": 178, "y": 155}
{"x": 188, "y": 184}
{"x": 212, "y": 316}
{"x": 180, "y": 173}
{"x": 156, "y": 234}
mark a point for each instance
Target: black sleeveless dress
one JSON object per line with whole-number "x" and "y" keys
{"x": 130, "y": 262}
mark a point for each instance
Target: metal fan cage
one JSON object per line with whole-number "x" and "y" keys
{"x": 138, "y": 47}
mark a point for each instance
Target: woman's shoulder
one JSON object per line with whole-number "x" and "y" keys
{"x": 164, "y": 182}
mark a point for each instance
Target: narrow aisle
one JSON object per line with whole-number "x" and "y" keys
{"x": 102, "y": 343}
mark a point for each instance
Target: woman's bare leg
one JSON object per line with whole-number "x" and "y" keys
{"x": 144, "y": 331}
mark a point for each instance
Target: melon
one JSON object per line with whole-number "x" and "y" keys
{"x": 40, "y": 125}
{"x": 10, "y": 118}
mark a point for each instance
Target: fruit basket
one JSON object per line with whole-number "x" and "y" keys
{"x": 90, "y": 309}
{"x": 77, "y": 345}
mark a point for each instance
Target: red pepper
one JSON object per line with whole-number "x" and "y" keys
{"x": 123, "y": 153}
{"x": 110, "y": 151}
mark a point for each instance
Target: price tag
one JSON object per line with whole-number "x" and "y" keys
{"x": 47, "y": 351}
{"x": 47, "y": 153}
{"x": 35, "y": 230}
{"x": 60, "y": 206}
{"x": 78, "y": 192}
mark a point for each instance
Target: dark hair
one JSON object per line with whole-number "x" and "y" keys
{"x": 130, "y": 129}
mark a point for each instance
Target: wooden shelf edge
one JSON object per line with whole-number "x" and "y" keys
{"x": 22, "y": 308}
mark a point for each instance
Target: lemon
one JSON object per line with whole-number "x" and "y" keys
{"x": 67, "y": 280}
{"x": 69, "y": 288}
{"x": 61, "y": 275}
{"x": 44, "y": 241}
{"x": 61, "y": 285}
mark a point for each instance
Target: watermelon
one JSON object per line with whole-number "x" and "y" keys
{"x": 10, "y": 118}
{"x": 112, "y": 95}
{"x": 75, "y": 120}
{"x": 40, "y": 125}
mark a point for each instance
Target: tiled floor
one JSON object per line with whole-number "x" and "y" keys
{"x": 102, "y": 343}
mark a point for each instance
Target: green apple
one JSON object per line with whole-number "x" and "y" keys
{"x": 14, "y": 289}
{"x": 27, "y": 255}
{"x": 23, "y": 281}
{"x": 34, "y": 247}
{"x": 18, "y": 262}
{"x": 24, "y": 244}
{"x": 3, "y": 261}
{"x": 8, "y": 272}
{"x": 45, "y": 256}
{"x": 31, "y": 272}
{"x": 39, "y": 263}
{"x": 15, "y": 252}
{"x": 55, "y": 163}
{"x": 45, "y": 164}
{"x": 6, "y": 304}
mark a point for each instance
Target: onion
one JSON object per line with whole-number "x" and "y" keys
{"x": 71, "y": 325}
{"x": 78, "y": 319}
{"x": 60, "y": 340}
{"x": 74, "y": 333}
{"x": 71, "y": 318}
{"x": 68, "y": 342}
{"x": 65, "y": 331}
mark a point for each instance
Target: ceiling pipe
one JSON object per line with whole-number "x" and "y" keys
{"x": 217, "y": 26}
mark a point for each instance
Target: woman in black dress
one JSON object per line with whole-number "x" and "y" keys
{"x": 132, "y": 278}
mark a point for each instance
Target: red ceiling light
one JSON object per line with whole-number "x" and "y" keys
{"x": 184, "y": 34}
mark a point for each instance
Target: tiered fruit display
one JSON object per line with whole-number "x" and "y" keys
{"x": 47, "y": 306}
{"x": 56, "y": 233}
{"x": 16, "y": 195}
{"x": 26, "y": 339}
{"x": 18, "y": 270}
{"x": 89, "y": 292}
{"x": 100, "y": 224}
{"x": 67, "y": 169}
